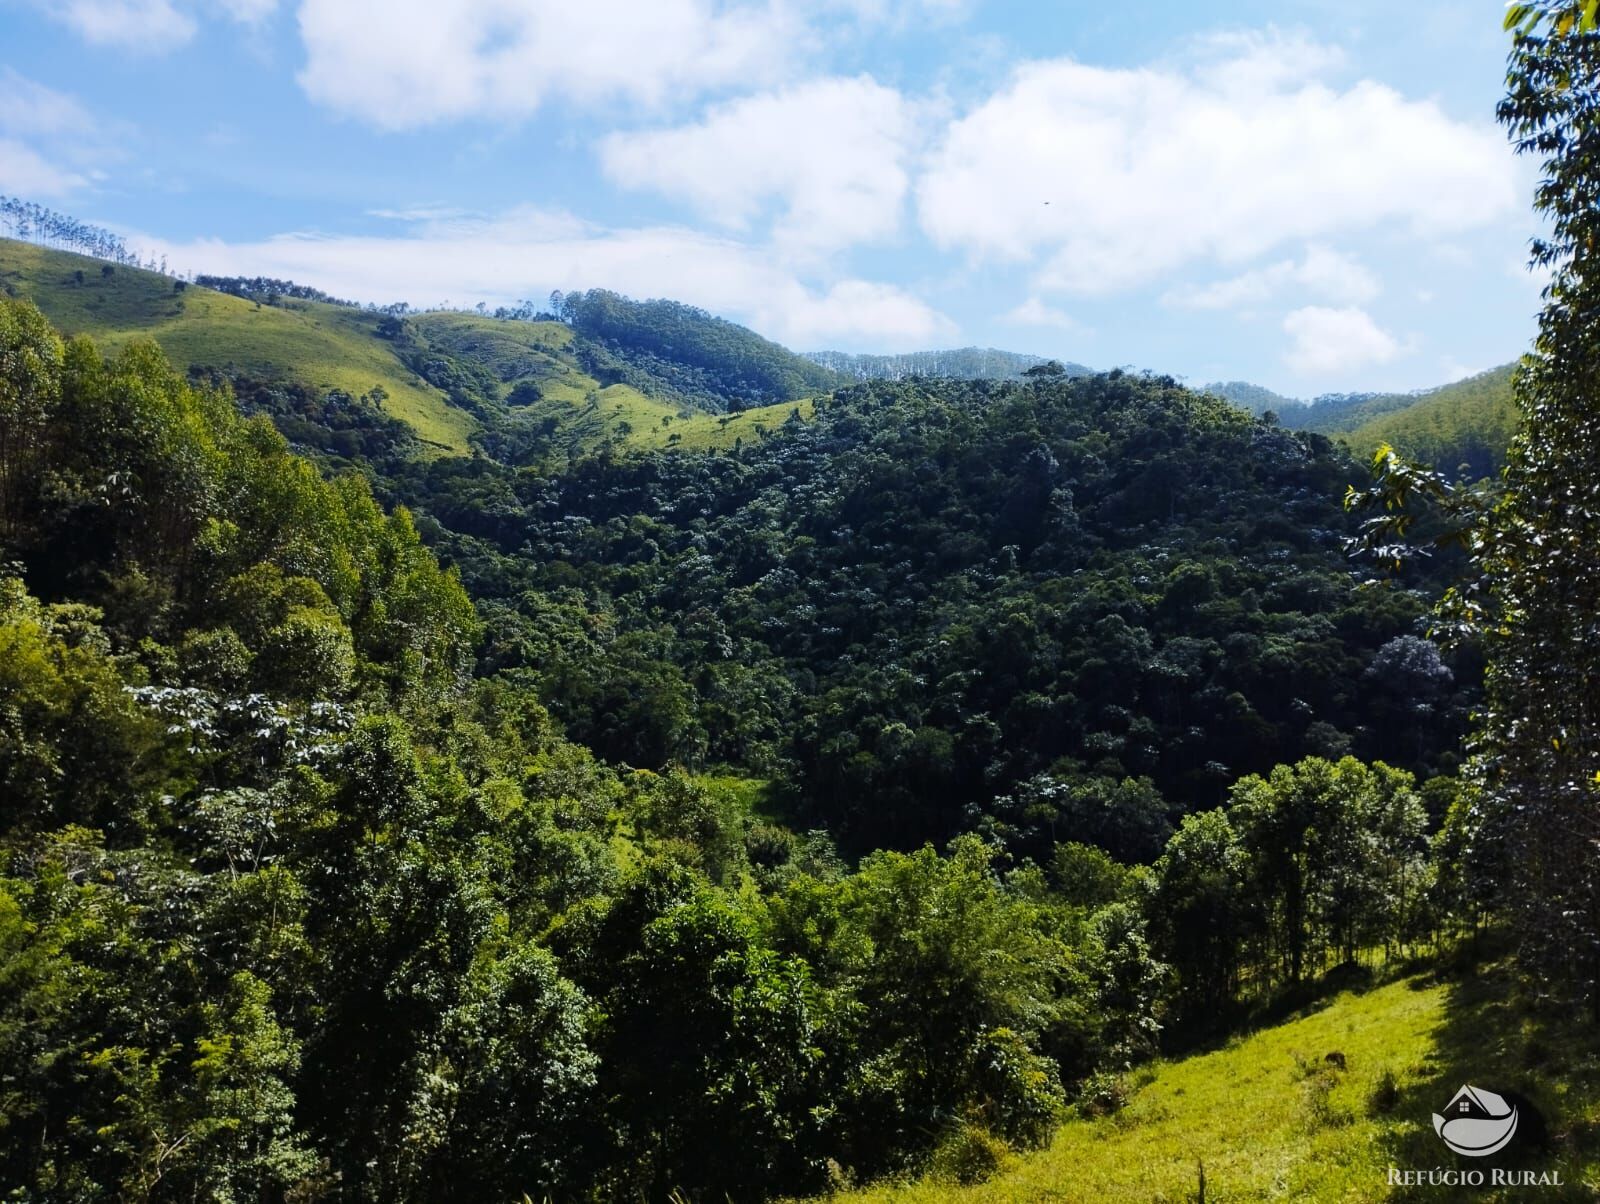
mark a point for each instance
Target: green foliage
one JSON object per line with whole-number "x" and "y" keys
{"x": 121, "y": 472}
{"x": 300, "y": 898}
{"x": 310, "y": 345}
{"x": 704, "y": 360}
{"x": 1463, "y": 429}
{"x": 1067, "y": 609}
{"x": 1537, "y": 596}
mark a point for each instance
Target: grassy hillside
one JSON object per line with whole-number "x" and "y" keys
{"x": 1270, "y": 1119}
{"x": 533, "y": 388}
{"x": 307, "y": 342}
{"x": 545, "y": 398}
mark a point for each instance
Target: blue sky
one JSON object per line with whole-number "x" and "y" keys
{"x": 1309, "y": 194}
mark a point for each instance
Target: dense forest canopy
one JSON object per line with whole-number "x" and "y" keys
{"x": 303, "y": 891}
{"x": 588, "y": 820}
{"x": 933, "y": 596}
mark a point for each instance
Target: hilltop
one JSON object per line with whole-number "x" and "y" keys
{"x": 641, "y": 374}
{"x": 348, "y": 380}
{"x": 318, "y": 346}
{"x": 1462, "y": 428}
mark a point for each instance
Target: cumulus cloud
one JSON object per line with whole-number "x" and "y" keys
{"x": 830, "y": 154}
{"x": 1321, "y": 272}
{"x": 1325, "y": 341}
{"x": 25, "y": 172}
{"x": 405, "y": 63}
{"x": 528, "y": 252}
{"x": 148, "y": 26}
{"x": 1034, "y": 312}
{"x": 1114, "y": 177}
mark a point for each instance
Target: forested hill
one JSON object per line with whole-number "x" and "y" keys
{"x": 740, "y": 821}
{"x": 1063, "y": 605}
{"x": 962, "y": 363}
{"x": 534, "y": 386}
{"x": 703, "y": 359}
{"x": 1463, "y": 428}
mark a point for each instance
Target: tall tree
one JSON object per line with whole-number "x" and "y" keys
{"x": 1540, "y": 593}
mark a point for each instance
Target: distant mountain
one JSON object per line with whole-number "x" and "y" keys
{"x": 1254, "y": 398}
{"x": 962, "y": 363}
{"x": 1462, "y": 428}
{"x": 1331, "y": 413}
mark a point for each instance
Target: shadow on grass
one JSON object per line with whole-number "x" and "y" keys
{"x": 1222, "y": 1027}
{"x": 1543, "y": 1059}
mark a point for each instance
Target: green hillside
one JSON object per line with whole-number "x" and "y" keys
{"x": 545, "y": 389}
{"x": 685, "y": 354}
{"x": 307, "y": 342}
{"x": 1470, "y": 422}
{"x": 1464, "y": 427}
{"x": 1269, "y": 1118}
{"x": 636, "y": 375}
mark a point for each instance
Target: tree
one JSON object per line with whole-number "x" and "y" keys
{"x": 1540, "y": 584}
{"x": 1199, "y": 914}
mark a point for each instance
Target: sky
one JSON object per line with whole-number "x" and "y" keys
{"x": 1312, "y": 195}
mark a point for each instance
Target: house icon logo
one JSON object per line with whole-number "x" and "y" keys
{"x": 1476, "y": 1122}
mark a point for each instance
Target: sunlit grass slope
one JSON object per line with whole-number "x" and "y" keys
{"x": 321, "y": 346}
{"x": 581, "y": 412}
{"x": 1269, "y": 1118}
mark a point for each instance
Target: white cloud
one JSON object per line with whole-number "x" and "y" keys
{"x": 528, "y": 252}
{"x": 1325, "y": 341}
{"x": 29, "y": 109}
{"x": 407, "y": 63}
{"x": 1114, "y": 177}
{"x": 148, "y": 26}
{"x": 832, "y": 153}
{"x": 1034, "y": 312}
{"x": 50, "y": 145}
{"x": 1323, "y": 272}
{"x": 26, "y": 173}
{"x": 249, "y": 12}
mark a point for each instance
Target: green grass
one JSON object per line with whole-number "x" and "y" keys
{"x": 321, "y": 346}
{"x": 1269, "y": 1120}
{"x": 708, "y": 432}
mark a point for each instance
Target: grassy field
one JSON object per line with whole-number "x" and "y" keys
{"x": 1268, "y": 1118}
{"x": 322, "y": 346}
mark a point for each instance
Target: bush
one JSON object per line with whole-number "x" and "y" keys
{"x": 968, "y": 1154}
